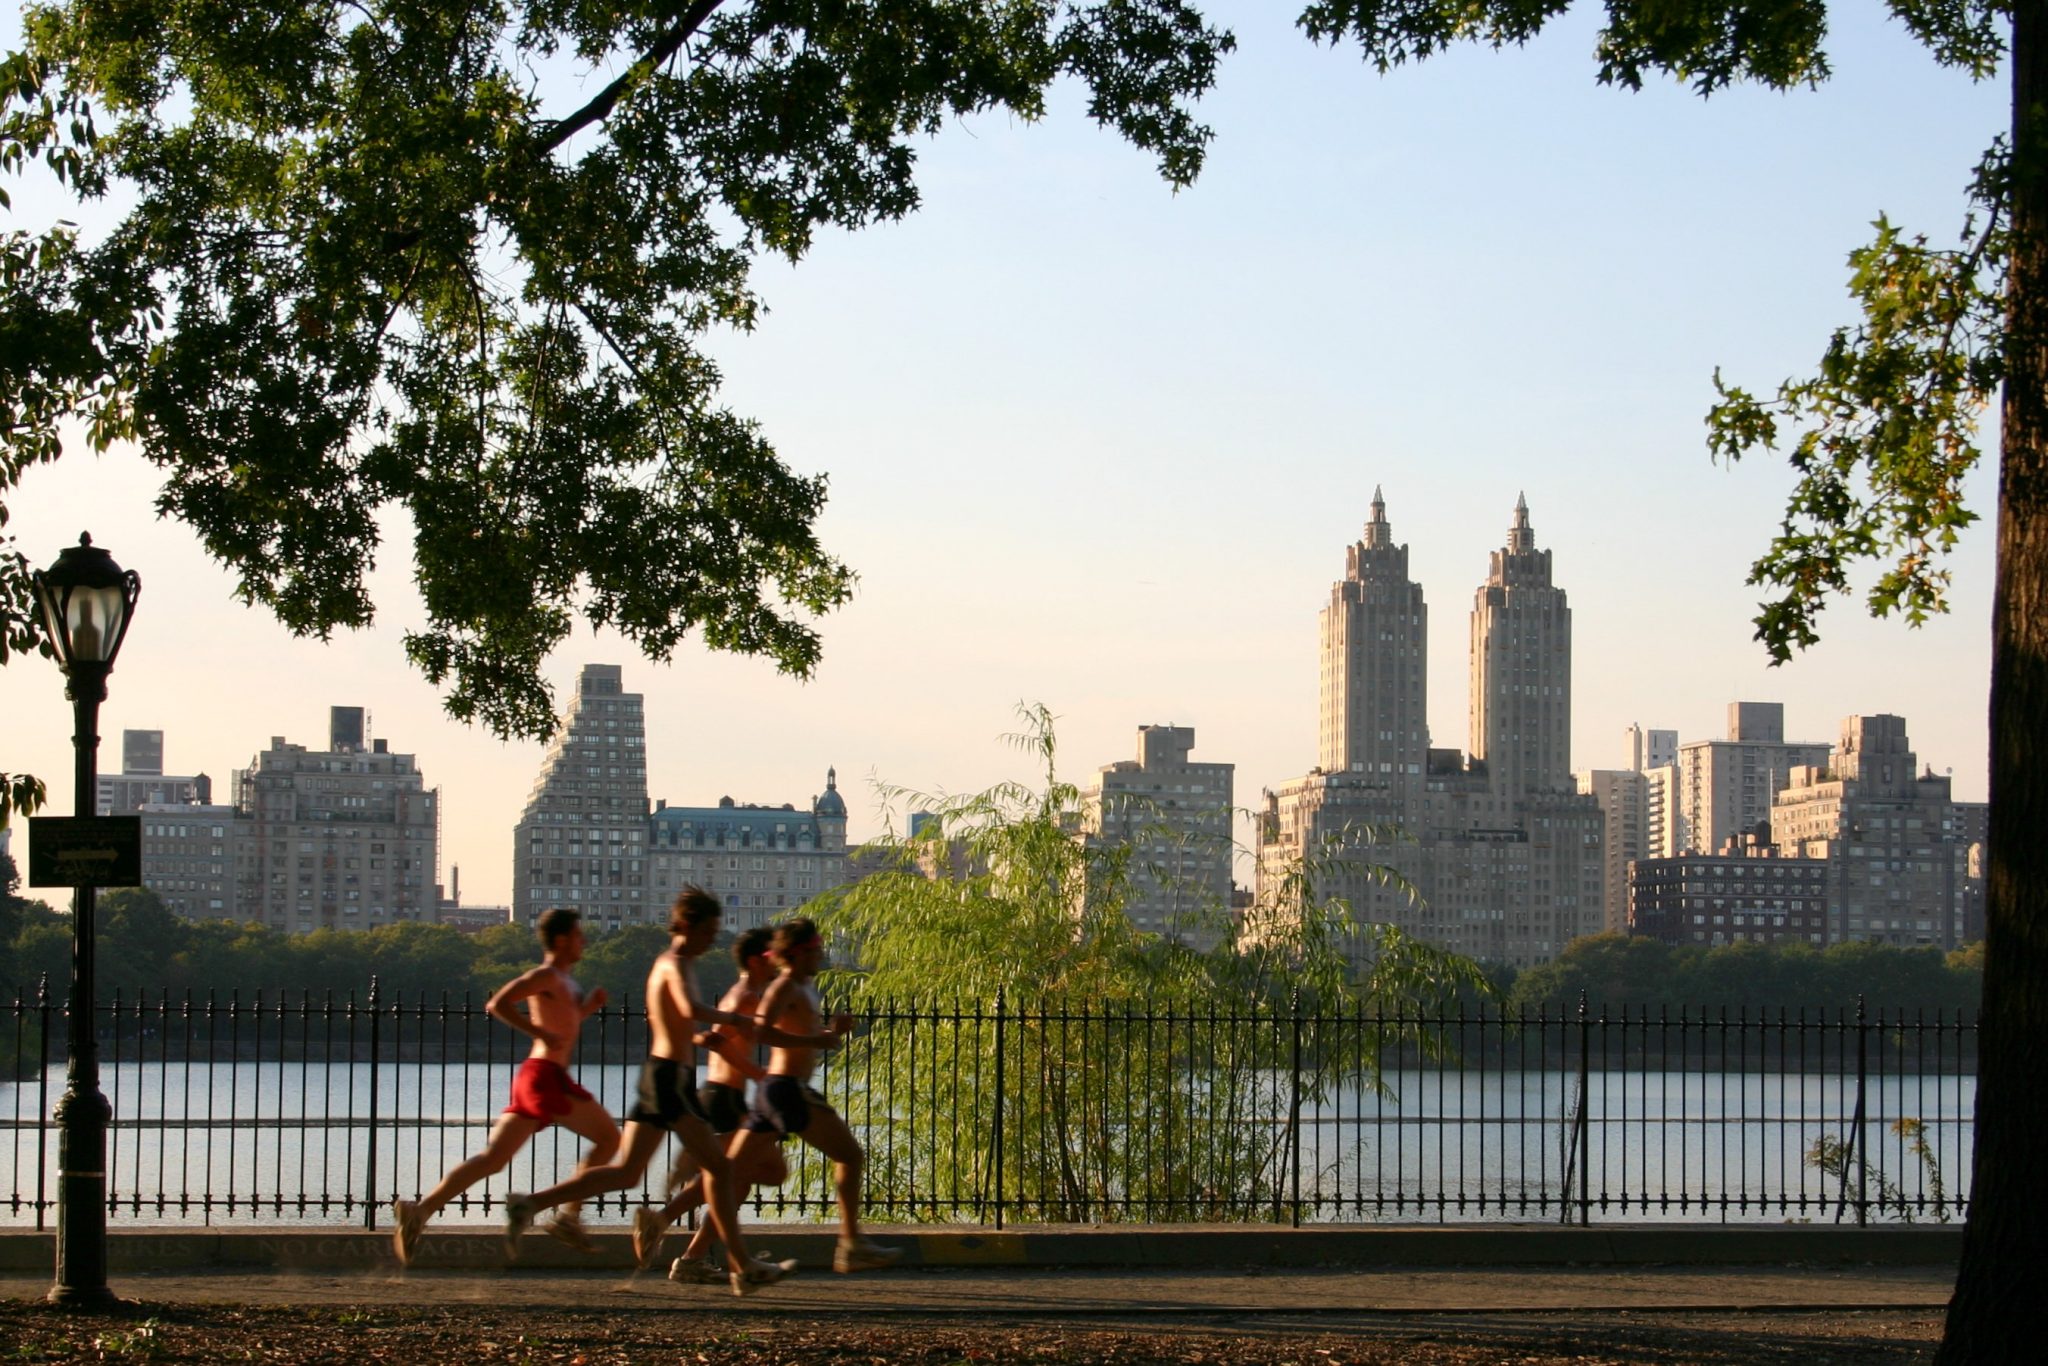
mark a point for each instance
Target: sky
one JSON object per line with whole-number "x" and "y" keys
{"x": 1100, "y": 446}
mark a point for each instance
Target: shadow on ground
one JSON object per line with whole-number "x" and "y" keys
{"x": 693, "y": 1332}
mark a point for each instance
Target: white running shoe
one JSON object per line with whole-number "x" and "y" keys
{"x": 758, "y": 1274}
{"x": 647, "y": 1234}
{"x": 518, "y": 1219}
{"x": 863, "y": 1256}
{"x": 410, "y": 1224}
{"x": 567, "y": 1227}
{"x": 694, "y": 1271}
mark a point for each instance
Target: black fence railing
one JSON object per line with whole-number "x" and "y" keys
{"x": 302, "y": 1108}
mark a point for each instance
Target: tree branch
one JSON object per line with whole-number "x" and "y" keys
{"x": 691, "y": 20}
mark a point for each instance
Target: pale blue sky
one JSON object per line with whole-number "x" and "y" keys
{"x": 1101, "y": 446}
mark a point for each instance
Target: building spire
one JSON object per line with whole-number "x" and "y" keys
{"x": 1378, "y": 533}
{"x": 1521, "y": 538}
{"x": 830, "y": 803}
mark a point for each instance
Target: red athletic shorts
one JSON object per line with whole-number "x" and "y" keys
{"x": 544, "y": 1091}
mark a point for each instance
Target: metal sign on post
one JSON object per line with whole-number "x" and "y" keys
{"x": 85, "y": 851}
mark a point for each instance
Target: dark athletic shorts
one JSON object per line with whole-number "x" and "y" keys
{"x": 544, "y": 1091}
{"x": 782, "y": 1105}
{"x": 665, "y": 1095}
{"x": 725, "y": 1107}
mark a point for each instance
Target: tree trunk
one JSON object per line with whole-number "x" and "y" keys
{"x": 2003, "y": 1281}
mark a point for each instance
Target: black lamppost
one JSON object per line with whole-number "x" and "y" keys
{"x": 87, "y": 602}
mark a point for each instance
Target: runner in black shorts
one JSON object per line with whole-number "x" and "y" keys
{"x": 782, "y": 1105}
{"x": 725, "y": 1107}
{"x": 665, "y": 1096}
{"x": 724, "y": 1099}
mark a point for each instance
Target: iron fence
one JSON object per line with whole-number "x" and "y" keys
{"x": 282, "y": 1108}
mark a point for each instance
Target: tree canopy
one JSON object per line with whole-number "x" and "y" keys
{"x": 461, "y": 259}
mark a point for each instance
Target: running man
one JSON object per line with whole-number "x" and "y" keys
{"x": 667, "y": 1101}
{"x": 727, "y": 1070}
{"x": 542, "y": 1091}
{"x": 785, "y": 1104}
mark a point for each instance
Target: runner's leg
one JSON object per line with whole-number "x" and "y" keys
{"x": 828, "y": 1133}
{"x": 715, "y": 1170}
{"x": 629, "y": 1163}
{"x": 593, "y": 1123}
{"x": 508, "y": 1135}
{"x": 753, "y": 1164}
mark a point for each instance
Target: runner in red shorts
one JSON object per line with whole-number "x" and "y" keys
{"x": 543, "y": 1093}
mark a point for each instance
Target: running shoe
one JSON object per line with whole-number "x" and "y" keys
{"x": 758, "y": 1274}
{"x": 694, "y": 1271}
{"x": 410, "y": 1224}
{"x": 863, "y": 1256}
{"x": 567, "y": 1227}
{"x": 648, "y": 1229}
{"x": 518, "y": 1219}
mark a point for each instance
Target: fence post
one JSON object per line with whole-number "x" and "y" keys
{"x": 1294, "y": 1112}
{"x": 1585, "y": 1137}
{"x": 1862, "y": 1148}
{"x": 370, "y": 1133}
{"x": 43, "y": 1100}
{"x": 998, "y": 1136}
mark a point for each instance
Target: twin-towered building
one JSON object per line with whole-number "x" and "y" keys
{"x": 1493, "y": 853}
{"x": 1505, "y": 854}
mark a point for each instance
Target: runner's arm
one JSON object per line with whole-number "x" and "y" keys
{"x": 735, "y": 1043}
{"x": 529, "y": 983}
{"x": 766, "y": 1031}
{"x": 695, "y": 1011}
{"x": 734, "y": 1051}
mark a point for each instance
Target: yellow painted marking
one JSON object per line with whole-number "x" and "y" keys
{"x": 971, "y": 1249}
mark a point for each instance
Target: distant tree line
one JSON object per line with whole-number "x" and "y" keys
{"x": 144, "y": 947}
{"x": 1615, "y": 970}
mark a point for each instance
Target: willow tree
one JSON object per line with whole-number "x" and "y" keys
{"x": 460, "y": 257}
{"x": 1034, "y": 1049}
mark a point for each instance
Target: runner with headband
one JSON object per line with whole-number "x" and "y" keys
{"x": 785, "y": 1103}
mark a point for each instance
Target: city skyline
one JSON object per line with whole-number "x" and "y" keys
{"x": 1408, "y": 599}
{"x": 1098, "y": 446}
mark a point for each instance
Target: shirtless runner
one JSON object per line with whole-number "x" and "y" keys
{"x": 727, "y": 1070}
{"x": 785, "y": 1104}
{"x": 667, "y": 1100}
{"x": 542, "y": 1091}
